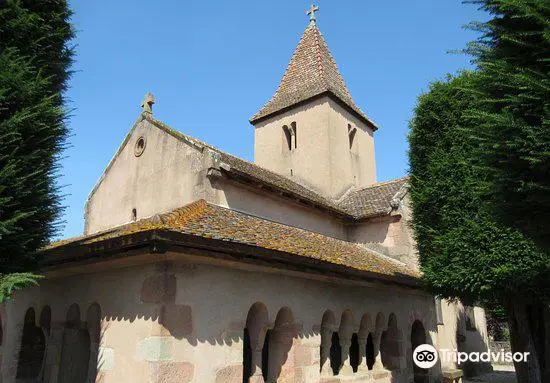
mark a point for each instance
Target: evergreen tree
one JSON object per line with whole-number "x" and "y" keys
{"x": 512, "y": 130}
{"x": 34, "y": 70}
{"x": 513, "y": 56}
{"x": 465, "y": 251}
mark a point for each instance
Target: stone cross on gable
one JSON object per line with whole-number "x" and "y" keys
{"x": 311, "y": 13}
{"x": 147, "y": 103}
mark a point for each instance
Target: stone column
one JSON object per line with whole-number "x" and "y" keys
{"x": 362, "y": 339}
{"x": 256, "y": 376}
{"x": 54, "y": 347}
{"x": 345, "y": 342}
{"x": 281, "y": 361}
{"x": 377, "y": 357}
{"x": 326, "y": 340}
{"x": 401, "y": 350}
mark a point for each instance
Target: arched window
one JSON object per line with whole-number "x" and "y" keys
{"x": 418, "y": 337}
{"x": 294, "y": 134}
{"x": 351, "y": 135}
{"x": 290, "y": 136}
{"x": 335, "y": 353}
{"x": 354, "y": 352}
{"x": 265, "y": 354}
{"x": 390, "y": 345}
{"x": 33, "y": 347}
{"x": 256, "y": 323}
{"x": 75, "y": 352}
{"x": 369, "y": 352}
{"x": 365, "y": 335}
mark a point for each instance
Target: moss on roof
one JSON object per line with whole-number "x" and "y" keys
{"x": 221, "y": 224}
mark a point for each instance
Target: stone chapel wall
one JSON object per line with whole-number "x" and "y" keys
{"x": 185, "y": 320}
{"x": 138, "y": 183}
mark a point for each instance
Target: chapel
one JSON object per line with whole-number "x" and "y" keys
{"x": 198, "y": 266}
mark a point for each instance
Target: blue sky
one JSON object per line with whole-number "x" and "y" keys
{"x": 212, "y": 65}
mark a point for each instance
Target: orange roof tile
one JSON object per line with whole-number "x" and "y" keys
{"x": 221, "y": 224}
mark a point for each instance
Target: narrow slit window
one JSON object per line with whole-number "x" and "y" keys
{"x": 351, "y": 135}
{"x": 288, "y": 137}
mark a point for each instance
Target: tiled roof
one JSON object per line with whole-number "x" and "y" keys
{"x": 312, "y": 71}
{"x": 205, "y": 220}
{"x": 373, "y": 200}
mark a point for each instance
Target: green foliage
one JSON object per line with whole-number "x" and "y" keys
{"x": 34, "y": 70}
{"x": 480, "y": 175}
{"x": 15, "y": 281}
{"x": 513, "y": 122}
{"x": 464, "y": 251}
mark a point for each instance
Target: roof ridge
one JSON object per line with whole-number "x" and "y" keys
{"x": 320, "y": 64}
{"x": 220, "y": 151}
{"x": 382, "y": 183}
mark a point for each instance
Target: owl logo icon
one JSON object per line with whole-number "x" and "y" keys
{"x": 425, "y": 356}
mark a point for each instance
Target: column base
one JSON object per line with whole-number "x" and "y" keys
{"x": 346, "y": 370}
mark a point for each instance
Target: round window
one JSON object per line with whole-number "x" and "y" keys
{"x": 140, "y": 146}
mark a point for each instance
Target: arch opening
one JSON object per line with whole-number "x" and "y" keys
{"x": 255, "y": 332}
{"x": 370, "y": 356}
{"x": 418, "y": 337}
{"x": 335, "y": 353}
{"x": 390, "y": 345}
{"x": 354, "y": 352}
{"x": 33, "y": 348}
{"x": 75, "y": 351}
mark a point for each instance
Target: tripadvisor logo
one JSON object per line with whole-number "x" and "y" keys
{"x": 425, "y": 356}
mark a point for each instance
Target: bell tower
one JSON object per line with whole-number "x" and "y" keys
{"x": 311, "y": 130}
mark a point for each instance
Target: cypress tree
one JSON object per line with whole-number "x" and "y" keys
{"x": 513, "y": 57}
{"x": 465, "y": 251}
{"x": 34, "y": 70}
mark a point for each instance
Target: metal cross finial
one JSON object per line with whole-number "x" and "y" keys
{"x": 147, "y": 103}
{"x": 311, "y": 13}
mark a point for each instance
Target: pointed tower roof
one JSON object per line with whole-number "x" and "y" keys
{"x": 311, "y": 73}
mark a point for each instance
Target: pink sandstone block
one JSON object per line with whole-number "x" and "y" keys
{"x": 170, "y": 372}
{"x": 230, "y": 374}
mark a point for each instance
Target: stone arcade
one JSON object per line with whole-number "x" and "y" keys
{"x": 197, "y": 266}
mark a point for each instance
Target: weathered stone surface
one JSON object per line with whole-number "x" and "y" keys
{"x": 106, "y": 360}
{"x": 303, "y": 355}
{"x": 171, "y": 372}
{"x": 177, "y": 320}
{"x": 155, "y": 348}
{"x": 159, "y": 288}
{"x": 230, "y": 374}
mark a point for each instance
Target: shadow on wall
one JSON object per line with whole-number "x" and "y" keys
{"x": 269, "y": 347}
{"x": 469, "y": 339}
{"x": 74, "y": 348}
